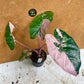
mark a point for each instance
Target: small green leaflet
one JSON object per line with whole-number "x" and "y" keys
{"x": 68, "y": 45}
{"x": 35, "y": 25}
{"x": 9, "y": 37}
{"x": 25, "y": 55}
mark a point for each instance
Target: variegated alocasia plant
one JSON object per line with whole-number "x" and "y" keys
{"x": 64, "y": 51}
{"x": 61, "y": 46}
{"x": 38, "y": 26}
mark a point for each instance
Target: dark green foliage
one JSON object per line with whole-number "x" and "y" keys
{"x": 9, "y": 37}
{"x": 35, "y": 25}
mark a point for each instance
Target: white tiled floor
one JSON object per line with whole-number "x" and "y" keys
{"x": 50, "y": 73}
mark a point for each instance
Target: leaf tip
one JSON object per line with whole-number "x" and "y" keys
{"x": 12, "y": 27}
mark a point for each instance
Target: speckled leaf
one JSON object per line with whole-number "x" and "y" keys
{"x": 69, "y": 46}
{"x": 35, "y": 25}
{"x": 25, "y": 55}
{"x": 9, "y": 37}
{"x": 44, "y": 28}
{"x": 64, "y": 51}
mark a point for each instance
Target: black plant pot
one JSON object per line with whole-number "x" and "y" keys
{"x": 38, "y": 60}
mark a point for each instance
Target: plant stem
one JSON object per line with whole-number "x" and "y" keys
{"x": 42, "y": 46}
{"x": 39, "y": 52}
{"x": 39, "y": 42}
{"x": 39, "y": 46}
{"x": 25, "y": 45}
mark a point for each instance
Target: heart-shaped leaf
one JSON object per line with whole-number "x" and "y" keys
{"x": 35, "y": 25}
{"x": 64, "y": 51}
{"x": 25, "y": 55}
{"x": 8, "y": 35}
{"x": 44, "y": 28}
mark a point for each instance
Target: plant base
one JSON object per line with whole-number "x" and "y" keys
{"x": 38, "y": 60}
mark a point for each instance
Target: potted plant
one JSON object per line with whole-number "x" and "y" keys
{"x": 38, "y": 27}
{"x": 61, "y": 46}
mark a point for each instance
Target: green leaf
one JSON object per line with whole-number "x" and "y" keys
{"x": 69, "y": 46}
{"x": 9, "y": 37}
{"x": 25, "y": 55}
{"x": 35, "y": 25}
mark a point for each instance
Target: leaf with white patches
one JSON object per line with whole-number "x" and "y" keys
{"x": 36, "y": 24}
{"x": 64, "y": 51}
{"x": 44, "y": 28}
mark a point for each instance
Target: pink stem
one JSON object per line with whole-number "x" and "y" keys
{"x": 39, "y": 46}
{"x": 39, "y": 42}
{"x": 42, "y": 46}
{"x": 39, "y": 51}
{"x": 25, "y": 46}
